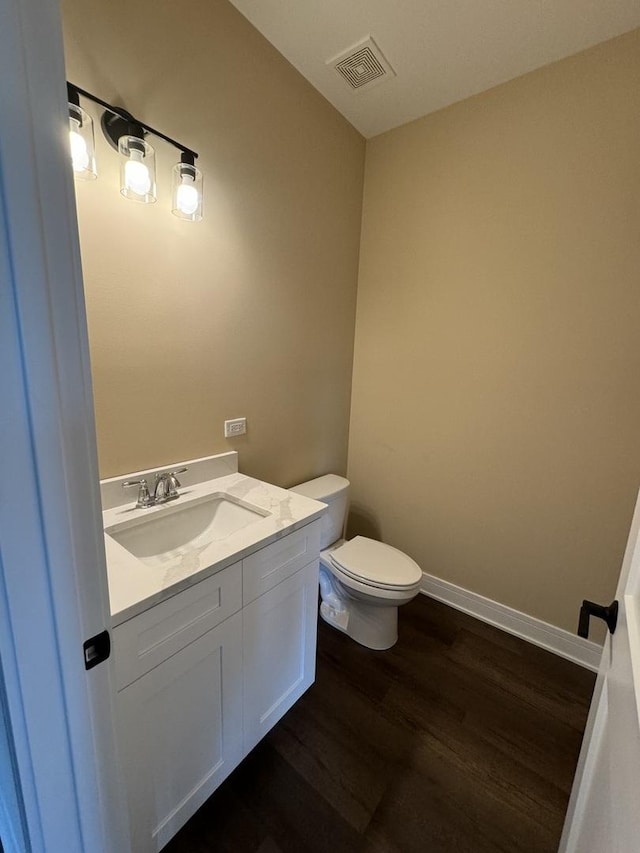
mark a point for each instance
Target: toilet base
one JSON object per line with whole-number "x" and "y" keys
{"x": 370, "y": 625}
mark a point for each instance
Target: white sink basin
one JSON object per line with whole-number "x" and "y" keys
{"x": 179, "y": 530}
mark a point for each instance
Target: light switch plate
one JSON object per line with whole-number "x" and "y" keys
{"x": 237, "y": 426}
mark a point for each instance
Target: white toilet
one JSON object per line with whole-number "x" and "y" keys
{"x": 362, "y": 582}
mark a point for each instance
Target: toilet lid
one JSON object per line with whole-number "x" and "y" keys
{"x": 376, "y": 563}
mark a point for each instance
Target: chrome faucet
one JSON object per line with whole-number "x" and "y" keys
{"x": 165, "y": 488}
{"x": 161, "y": 488}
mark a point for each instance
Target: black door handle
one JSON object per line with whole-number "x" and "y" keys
{"x": 589, "y": 608}
{"x": 96, "y": 649}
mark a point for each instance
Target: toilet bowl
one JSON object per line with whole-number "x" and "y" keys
{"x": 362, "y": 581}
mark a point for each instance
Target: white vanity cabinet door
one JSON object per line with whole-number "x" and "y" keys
{"x": 279, "y": 644}
{"x": 181, "y": 733}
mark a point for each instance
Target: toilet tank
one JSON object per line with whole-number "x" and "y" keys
{"x": 333, "y": 491}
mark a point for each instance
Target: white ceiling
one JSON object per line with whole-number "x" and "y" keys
{"x": 441, "y": 50}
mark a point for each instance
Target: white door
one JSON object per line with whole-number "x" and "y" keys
{"x": 57, "y": 717}
{"x": 604, "y": 810}
{"x": 173, "y": 767}
{"x": 279, "y": 644}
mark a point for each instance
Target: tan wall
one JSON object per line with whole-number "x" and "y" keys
{"x": 251, "y": 312}
{"x": 495, "y": 420}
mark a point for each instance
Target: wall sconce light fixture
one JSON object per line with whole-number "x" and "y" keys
{"x": 126, "y": 135}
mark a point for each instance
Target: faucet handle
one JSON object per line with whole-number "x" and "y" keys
{"x": 173, "y": 482}
{"x": 144, "y": 498}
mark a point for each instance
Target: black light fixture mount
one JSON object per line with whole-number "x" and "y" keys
{"x": 114, "y": 125}
{"x": 126, "y": 119}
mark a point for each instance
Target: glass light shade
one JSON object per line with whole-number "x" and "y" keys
{"x": 186, "y": 194}
{"x": 82, "y": 144}
{"x": 137, "y": 169}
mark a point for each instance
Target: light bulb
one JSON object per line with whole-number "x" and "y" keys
{"x": 187, "y": 198}
{"x": 136, "y": 174}
{"x": 79, "y": 150}
{"x": 186, "y": 193}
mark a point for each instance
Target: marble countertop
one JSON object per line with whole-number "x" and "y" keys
{"x": 135, "y": 586}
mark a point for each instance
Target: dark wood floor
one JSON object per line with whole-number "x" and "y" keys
{"x": 460, "y": 738}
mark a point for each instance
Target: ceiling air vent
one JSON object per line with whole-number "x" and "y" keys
{"x": 363, "y": 65}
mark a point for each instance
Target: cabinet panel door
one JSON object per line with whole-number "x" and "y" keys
{"x": 181, "y": 732}
{"x": 279, "y": 642}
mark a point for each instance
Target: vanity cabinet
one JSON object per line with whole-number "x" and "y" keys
{"x": 204, "y": 675}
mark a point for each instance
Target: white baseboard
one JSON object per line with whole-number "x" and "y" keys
{"x": 557, "y": 640}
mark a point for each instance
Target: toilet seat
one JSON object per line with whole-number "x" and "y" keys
{"x": 376, "y": 564}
